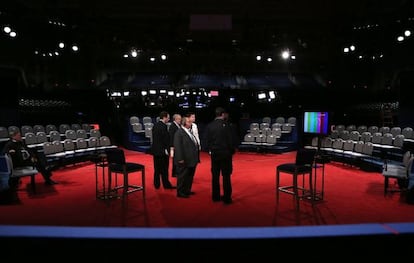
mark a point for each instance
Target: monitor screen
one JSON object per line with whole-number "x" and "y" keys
{"x": 316, "y": 122}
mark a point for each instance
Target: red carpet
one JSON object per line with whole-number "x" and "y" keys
{"x": 352, "y": 196}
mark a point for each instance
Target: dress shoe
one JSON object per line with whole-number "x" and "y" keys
{"x": 156, "y": 186}
{"x": 183, "y": 196}
{"x": 50, "y": 182}
{"x": 217, "y": 199}
{"x": 170, "y": 187}
{"x": 191, "y": 193}
{"x": 227, "y": 201}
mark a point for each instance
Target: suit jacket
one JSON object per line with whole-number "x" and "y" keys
{"x": 185, "y": 149}
{"x": 173, "y": 128}
{"x": 220, "y": 138}
{"x": 160, "y": 139}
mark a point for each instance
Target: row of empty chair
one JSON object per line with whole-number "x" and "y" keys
{"x": 377, "y": 138}
{"x": 396, "y": 130}
{"x": 33, "y": 140}
{"x": 357, "y": 153}
{"x": 62, "y": 152}
{"x": 280, "y": 119}
{"x": 24, "y": 129}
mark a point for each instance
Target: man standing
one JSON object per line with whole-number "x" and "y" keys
{"x": 186, "y": 158}
{"x": 221, "y": 148}
{"x": 194, "y": 127}
{"x": 160, "y": 148}
{"x": 175, "y": 125}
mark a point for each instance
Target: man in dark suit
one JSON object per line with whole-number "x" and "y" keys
{"x": 186, "y": 158}
{"x": 220, "y": 145}
{"x": 175, "y": 125}
{"x": 160, "y": 151}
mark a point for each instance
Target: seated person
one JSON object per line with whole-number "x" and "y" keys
{"x": 23, "y": 156}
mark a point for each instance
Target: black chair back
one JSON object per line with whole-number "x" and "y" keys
{"x": 115, "y": 156}
{"x": 305, "y": 156}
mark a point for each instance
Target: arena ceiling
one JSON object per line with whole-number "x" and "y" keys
{"x": 205, "y": 29}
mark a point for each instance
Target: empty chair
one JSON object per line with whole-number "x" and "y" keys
{"x": 302, "y": 166}
{"x": 137, "y": 127}
{"x": 48, "y": 149}
{"x": 81, "y": 146}
{"x": 248, "y": 139}
{"x": 373, "y": 129}
{"x": 81, "y": 133}
{"x": 277, "y": 132}
{"x": 351, "y": 127}
{"x": 133, "y": 120}
{"x": 334, "y": 134}
{"x": 4, "y": 133}
{"x": 340, "y": 127}
{"x": 261, "y": 138}
{"x": 384, "y": 129}
{"x": 271, "y": 140}
{"x": 399, "y": 141}
{"x": 395, "y": 131}
{"x": 266, "y": 131}
{"x": 95, "y": 133}
{"x": 49, "y": 128}
{"x": 30, "y": 139}
{"x": 401, "y": 175}
{"x": 366, "y": 136}
{"x": 75, "y": 126}
{"x": 362, "y": 128}
{"x": 69, "y": 148}
{"x": 313, "y": 144}
{"x": 344, "y": 134}
{"x": 277, "y": 125}
{"x": 264, "y": 125}
{"x": 354, "y": 135}
{"x": 407, "y": 132}
{"x": 376, "y": 138}
{"x": 54, "y": 136}
{"x": 280, "y": 120}
{"x": 117, "y": 164}
{"x": 69, "y": 145}
{"x": 58, "y": 148}
{"x": 359, "y": 148}
{"x": 398, "y": 165}
{"x": 105, "y": 142}
{"x": 93, "y": 142}
{"x": 254, "y": 125}
{"x": 86, "y": 126}
{"x": 291, "y": 121}
{"x": 146, "y": 119}
{"x": 39, "y": 128}
{"x": 25, "y": 129}
{"x": 63, "y": 128}
{"x": 70, "y": 134}
{"x": 387, "y": 139}
{"x": 51, "y": 154}
{"x": 267, "y": 119}
{"x": 348, "y": 146}
{"x": 286, "y": 128}
{"x": 41, "y": 137}
{"x": 148, "y": 125}
{"x": 368, "y": 148}
{"x": 255, "y": 131}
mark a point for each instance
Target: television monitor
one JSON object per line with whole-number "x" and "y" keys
{"x": 316, "y": 122}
